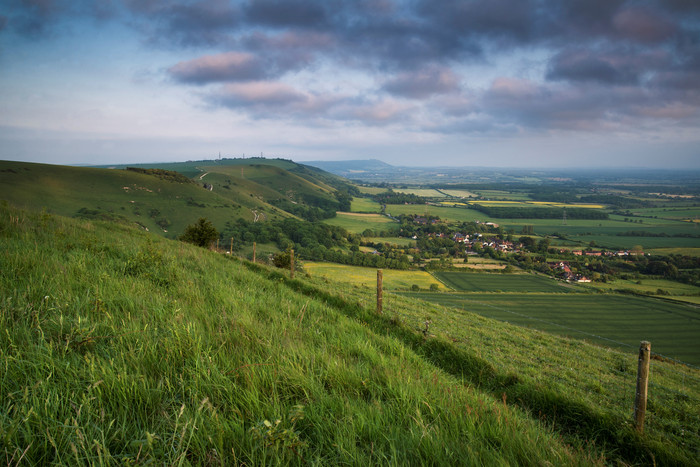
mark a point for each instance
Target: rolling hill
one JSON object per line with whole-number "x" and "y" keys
{"x": 120, "y": 346}
{"x": 152, "y": 198}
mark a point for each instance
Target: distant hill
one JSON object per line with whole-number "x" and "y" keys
{"x": 165, "y": 198}
{"x": 350, "y": 169}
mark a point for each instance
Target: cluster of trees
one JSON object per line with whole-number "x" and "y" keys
{"x": 313, "y": 208}
{"x": 313, "y": 241}
{"x": 621, "y": 202}
{"x": 391, "y": 197}
{"x": 285, "y": 233}
{"x": 169, "y": 175}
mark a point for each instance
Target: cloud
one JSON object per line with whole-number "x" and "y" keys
{"x": 614, "y": 66}
{"x": 3, "y": 22}
{"x": 261, "y": 93}
{"x": 424, "y": 83}
{"x": 644, "y": 25}
{"x": 199, "y": 23}
{"x": 230, "y": 66}
{"x": 382, "y": 112}
{"x": 287, "y": 13}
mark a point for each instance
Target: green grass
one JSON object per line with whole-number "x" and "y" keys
{"x": 647, "y": 286}
{"x": 672, "y": 328}
{"x": 690, "y": 251}
{"x": 121, "y": 347}
{"x": 367, "y": 277}
{"x": 473, "y": 282}
{"x": 158, "y": 205}
{"x": 396, "y": 241}
{"x": 358, "y": 223}
{"x": 425, "y": 192}
{"x": 365, "y": 205}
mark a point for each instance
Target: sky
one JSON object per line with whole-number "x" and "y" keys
{"x": 476, "y": 83}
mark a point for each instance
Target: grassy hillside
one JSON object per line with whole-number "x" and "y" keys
{"x": 250, "y": 189}
{"x": 123, "y": 347}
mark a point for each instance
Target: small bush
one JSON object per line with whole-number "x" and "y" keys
{"x": 202, "y": 233}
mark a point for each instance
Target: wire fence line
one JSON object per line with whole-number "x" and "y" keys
{"x": 671, "y": 384}
{"x": 585, "y": 333}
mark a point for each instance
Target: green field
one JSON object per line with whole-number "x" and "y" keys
{"x": 459, "y": 193}
{"x": 371, "y": 190}
{"x": 365, "y": 205}
{"x": 397, "y": 241}
{"x": 611, "y": 320}
{"x": 690, "y": 251}
{"x": 424, "y": 192}
{"x": 647, "y": 286}
{"x": 357, "y": 223}
{"x": 449, "y": 214}
{"x": 367, "y": 277}
{"x": 473, "y": 282}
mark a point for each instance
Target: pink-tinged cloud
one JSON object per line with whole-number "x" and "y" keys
{"x": 671, "y": 111}
{"x": 506, "y": 88}
{"x": 424, "y": 83}
{"x": 260, "y": 94}
{"x": 643, "y": 25}
{"x": 229, "y": 66}
{"x": 378, "y": 113}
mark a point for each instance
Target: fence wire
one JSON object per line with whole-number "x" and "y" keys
{"x": 619, "y": 398}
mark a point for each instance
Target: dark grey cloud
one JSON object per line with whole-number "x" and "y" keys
{"x": 287, "y": 13}
{"x": 3, "y": 22}
{"x": 423, "y": 83}
{"x": 614, "y": 66}
{"x": 198, "y": 23}
{"x": 501, "y": 19}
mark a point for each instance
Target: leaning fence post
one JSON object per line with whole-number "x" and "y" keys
{"x": 379, "y": 290}
{"x": 640, "y": 400}
{"x": 253, "y": 251}
{"x": 291, "y": 263}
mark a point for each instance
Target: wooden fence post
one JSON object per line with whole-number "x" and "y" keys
{"x": 640, "y": 400}
{"x": 231, "y": 249}
{"x": 217, "y": 244}
{"x": 253, "y": 251}
{"x": 291, "y": 263}
{"x": 379, "y": 291}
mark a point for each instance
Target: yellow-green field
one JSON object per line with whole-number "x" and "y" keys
{"x": 365, "y": 205}
{"x": 357, "y": 223}
{"x": 674, "y": 251}
{"x": 371, "y": 190}
{"x": 367, "y": 277}
{"x": 425, "y": 192}
{"x": 535, "y": 204}
{"x": 675, "y": 289}
{"x": 481, "y": 264}
{"x": 460, "y": 193}
{"x": 398, "y": 241}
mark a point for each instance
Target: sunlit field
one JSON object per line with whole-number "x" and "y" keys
{"x": 367, "y": 277}
{"x": 357, "y": 222}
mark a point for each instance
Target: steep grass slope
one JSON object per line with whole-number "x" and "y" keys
{"x": 159, "y": 205}
{"x": 120, "y": 346}
{"x": 255, "y": 190}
